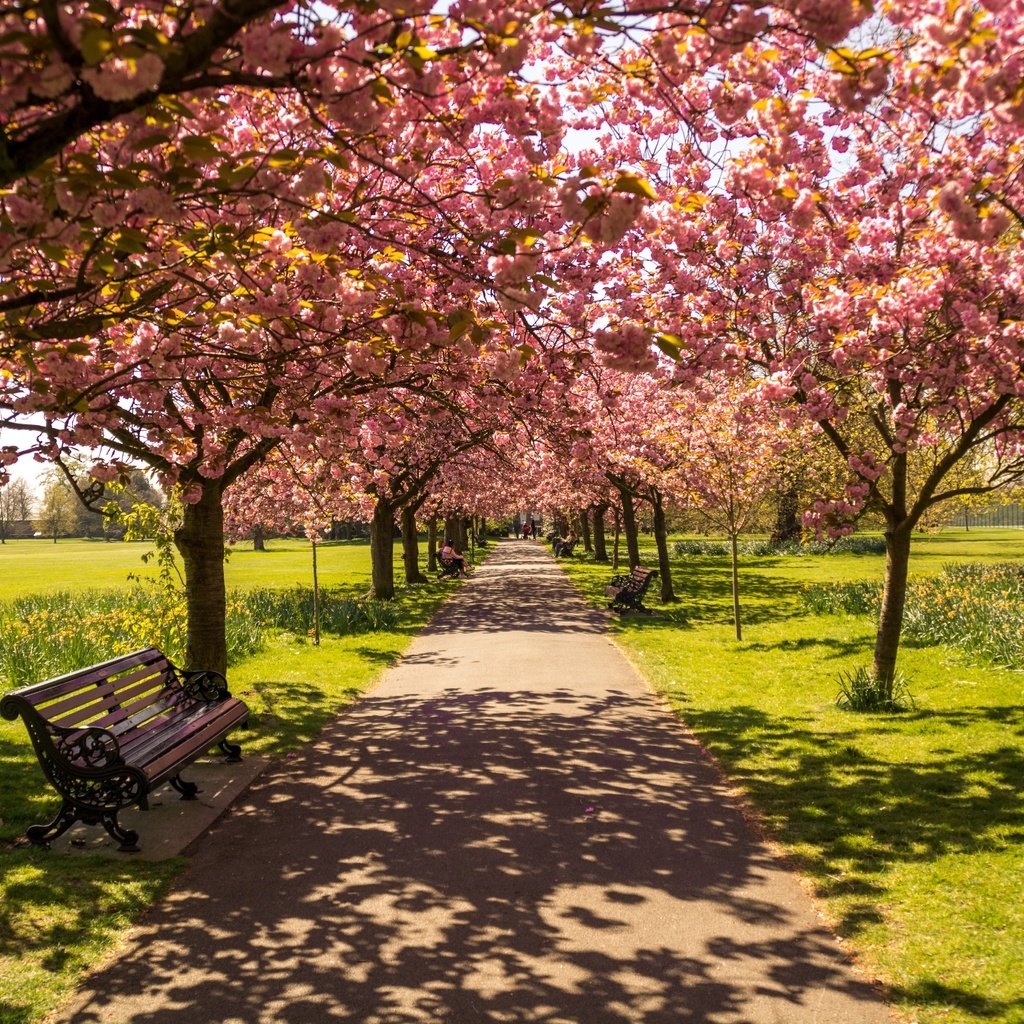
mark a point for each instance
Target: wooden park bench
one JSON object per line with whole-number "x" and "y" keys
{"x": 108, "y": 735}
{"x": 628, "y": 590}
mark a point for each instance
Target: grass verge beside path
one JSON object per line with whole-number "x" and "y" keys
{"x": 909, "y": 826}
{"x": 59, "y": 915}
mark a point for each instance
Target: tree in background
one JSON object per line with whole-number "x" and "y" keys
{"x": 57, "y": 512}
{"x": 730, "y": 460}
{"x": 16, "y": 503}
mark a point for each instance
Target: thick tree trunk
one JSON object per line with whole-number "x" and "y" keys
{"x": 787, "y": 521}
{"x": 451, "y": 529}
{"x": 894, "y": 599}
{"x": 411, "y": 547}
{"x": 735, "y": 587}
{"x": 661, "y": 539}
{"x": 600, "y": 545}
{"x": 432, "y": 545}
{"x": 382, "y": 551}
{"x": 629, "y": 529}
{"x": 200, "y": 540}
{"x": 259, "y": 542}
{"x": 588, "y": 545}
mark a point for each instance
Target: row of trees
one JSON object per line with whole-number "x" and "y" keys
{"x": 275, "y": 252}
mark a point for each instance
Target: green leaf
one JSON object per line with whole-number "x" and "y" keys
{"x": 150, "y": 140}
{"x": 635, "y": 185}
{"x": 175, "y": 106}
{"x": 670, "y": 344}
{"x": 97, "y": 42}
{"x": 131, "y": 240}
{"x": 549, "y": 281}
{"x": 57, "y": 253}
{"x": 381, "y": 92}
{"x": 283, "y": 158}
{"x": 199, "y": 147}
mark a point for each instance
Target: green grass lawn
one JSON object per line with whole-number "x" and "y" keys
{"x": 58, "y": 916}
{"x": 909, "y": 826}
{"x": 40, "y": 566}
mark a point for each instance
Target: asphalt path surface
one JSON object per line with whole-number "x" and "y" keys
{"x": 510, "y": 827}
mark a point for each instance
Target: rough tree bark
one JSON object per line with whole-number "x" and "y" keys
{"x": 600, "y": 544}
{"x": 629, "y": 527}
{"x": 382, "y": 550}
{"x": 661, "y": 540}
{"x": 410, "y": 544}
{"x": 200, "y": 540}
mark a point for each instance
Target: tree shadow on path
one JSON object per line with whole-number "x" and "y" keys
{"x": 482, "y": 856}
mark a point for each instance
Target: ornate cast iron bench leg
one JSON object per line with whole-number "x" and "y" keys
{"x": 42, "y": 835}
{"x": 188, "y": 790}
{"x": 233, "y": 750}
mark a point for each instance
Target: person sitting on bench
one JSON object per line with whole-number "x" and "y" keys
{"x": 564, "y": 545}
{"x": 449, "y": 554}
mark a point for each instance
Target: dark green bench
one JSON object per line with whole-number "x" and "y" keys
{"x": 108, "y": 735}
{"x": 627, "y": 591}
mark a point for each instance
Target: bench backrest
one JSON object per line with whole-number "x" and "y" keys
{"x": 640, "y": 578}
{"x": 120, "y": 695}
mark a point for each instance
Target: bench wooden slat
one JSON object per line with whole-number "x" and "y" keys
{"x": 200, "y": 735}
{"x": 72, "y": 681}
{"x": 121, "y": 715}
{"x": 143, "y": 748}
{"x": 92, "y": 702}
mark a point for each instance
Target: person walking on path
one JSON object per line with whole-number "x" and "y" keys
{"x": 510, "y": 827}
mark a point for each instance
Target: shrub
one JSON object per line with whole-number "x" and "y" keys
{"x": 292, "y": 610}
{"x": 761, "y": 548}
{"x": 861, "y": 691}
{"x": 838, "y": 598}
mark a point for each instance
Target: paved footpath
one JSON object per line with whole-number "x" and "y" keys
{"x": 508, "y": 828}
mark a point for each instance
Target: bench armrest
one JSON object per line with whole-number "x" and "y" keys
{"x": 619, "y": 581}
{"x": 203, "y": 684}
{"x": 86, "y": 746}
{"x": 91, "y": 748}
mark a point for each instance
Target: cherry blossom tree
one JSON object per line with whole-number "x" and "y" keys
{"x": 853, "y": 252}
{"x": 730, "y": 457}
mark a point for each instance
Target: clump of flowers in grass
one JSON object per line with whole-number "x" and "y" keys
{"x": 49, "y": 634}
{"x": 842, "y": 598}
{"x": 292, "y": 610}
{"x": 861, "y": 691}
{"x": 978, "y": 609}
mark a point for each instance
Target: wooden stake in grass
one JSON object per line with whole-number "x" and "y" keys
{"x": 735, "y": 587}
{"x": 316, "y": 601}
